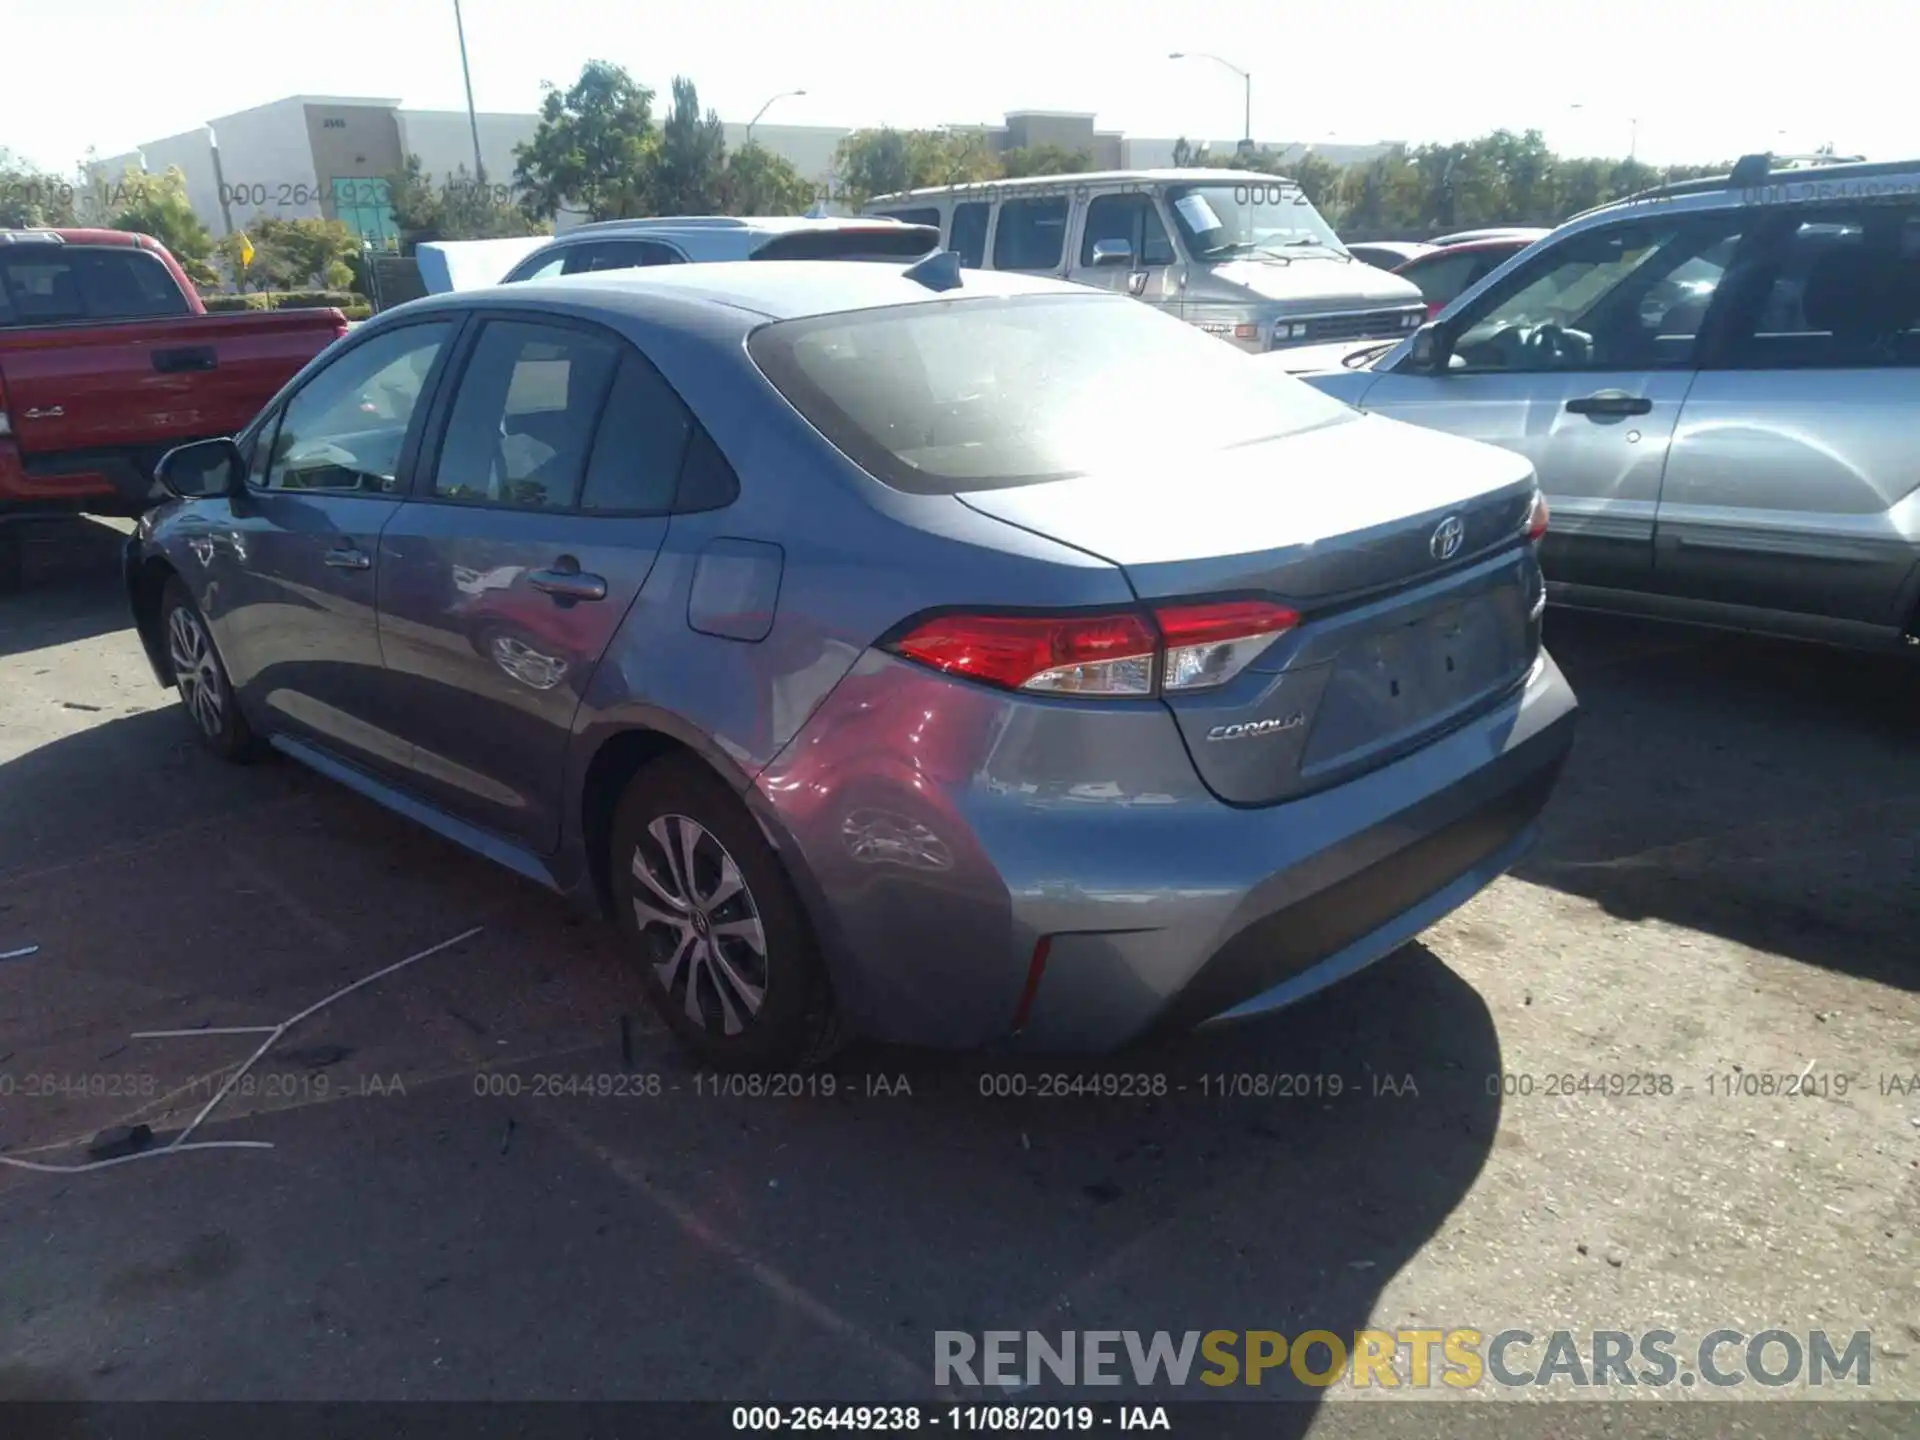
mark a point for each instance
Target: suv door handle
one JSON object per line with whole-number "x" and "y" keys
{"x": 566, "y": 582}
{"x": 348, "y": 557}
{"x": 1610, "y": 402}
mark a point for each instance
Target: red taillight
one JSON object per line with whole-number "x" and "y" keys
{"x": 1537, "y": 518}
{"x": 1208, "y": 644}
{"x": 1434, "y": 307}
{"x": 1116, "y": 654}
{"x": 1109, "y": 654}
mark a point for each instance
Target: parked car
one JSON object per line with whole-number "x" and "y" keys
{"x": 1444, "y": 271}
{"x": 1386, "y": 254}
{"x": 1241, "y": 255}
{"x": 1717, "y": 382}
{"x": 108, "y": 358}
{"x": 628, "y": 244}
{"x": 892, "y": 678}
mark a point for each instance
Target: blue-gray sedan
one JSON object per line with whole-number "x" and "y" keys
{"x": 943, "y": 657}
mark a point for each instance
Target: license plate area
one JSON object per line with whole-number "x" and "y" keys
{"x": 1391, "y": 686}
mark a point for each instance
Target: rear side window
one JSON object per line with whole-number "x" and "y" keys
{"x": 640, "y": 445}
{"x": 968, "y": 237}
{"x": 881, "y": 242}
{"x": 945, "y": 396}
{"x": 1032, "y": 234}
{"x": 1839, "y": 290}
{"x": 59, "y": 285}
{"x": 928, "y": 215}
{"x": 524, "y": 416}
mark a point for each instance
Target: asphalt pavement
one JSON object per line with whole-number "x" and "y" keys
{"x": 490, "y": 1175}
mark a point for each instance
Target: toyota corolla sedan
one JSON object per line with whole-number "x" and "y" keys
{"x": 949, "y": 658}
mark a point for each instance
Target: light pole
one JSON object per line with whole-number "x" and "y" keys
{"x": 473, "y": 120}
{"x": 1246, "y": 80}
{"x": 1633, "y": 132}
{"x": 784, "y": 94}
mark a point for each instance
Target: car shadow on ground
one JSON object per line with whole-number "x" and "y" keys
{"x": 1763, "y": 791}
{"x": 71, "y": 588}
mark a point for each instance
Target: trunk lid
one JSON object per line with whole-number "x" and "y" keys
{"x": 1403, "y": 550}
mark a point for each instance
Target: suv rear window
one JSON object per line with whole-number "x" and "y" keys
{"x": 881, "y": 242}
{"x": 980, "y": 394}
{"x": 62, "y": 284}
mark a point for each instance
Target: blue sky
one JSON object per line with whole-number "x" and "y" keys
{"x": 1706, "y": 79}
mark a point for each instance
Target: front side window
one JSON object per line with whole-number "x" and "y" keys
{"x": 1032, "y": 234}
{"x": 1131, "y": 218}
{"x": 344, "y": 429}
{"x": 1837, "y": 290}
{"x": 955, "y": 395}
{"x": 523, "y": 420}
{"x": 1627, "y": 297}
{"x": 1230, "y": 219}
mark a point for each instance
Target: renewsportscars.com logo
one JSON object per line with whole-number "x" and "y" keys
{"x": 1459, "y": 1359}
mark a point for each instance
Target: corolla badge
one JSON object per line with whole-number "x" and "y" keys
{"x": 1447, "y": 538}
{"x": 1247, "y": 729}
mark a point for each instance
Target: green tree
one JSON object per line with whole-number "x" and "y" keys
{"x": 1044, "y": 160}
{"x": 459, "y": 208}
{"x": 593, "y": 147}
{"x": 157, "y": 205}
{"x": 690, "y": 161}
{"x": 884, "y": 161}
{"x": 758, "y": 182}
{"x": 296, "y": 254}
{"x": 30, "y": 196}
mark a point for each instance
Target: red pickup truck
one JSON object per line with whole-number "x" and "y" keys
{"x": 108, "y": 359}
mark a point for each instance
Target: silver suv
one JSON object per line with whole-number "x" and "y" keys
{"x": 1719, "y": 384}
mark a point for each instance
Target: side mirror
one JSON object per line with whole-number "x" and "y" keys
{"x": 1432, "y": 346}
{"x": 204, "y": 470}
{"x": 1112, "y": 252}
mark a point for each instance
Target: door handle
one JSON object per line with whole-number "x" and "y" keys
{"x": 186, "y": 360}
{"x": 565, "y": 584}
{"x": 349, "y": 558}
{"x": 1610, "y": 402}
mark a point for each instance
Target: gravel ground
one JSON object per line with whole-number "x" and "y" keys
{"x": 1723, "y": 906}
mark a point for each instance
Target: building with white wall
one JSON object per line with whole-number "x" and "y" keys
{"x": 330, "y": 156}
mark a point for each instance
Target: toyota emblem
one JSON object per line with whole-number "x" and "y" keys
{"x": 1447, "y": 538}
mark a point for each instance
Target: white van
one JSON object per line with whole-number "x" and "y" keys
{"x": 1244, "y": 256}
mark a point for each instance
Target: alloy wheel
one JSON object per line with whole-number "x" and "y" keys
{"x": 195, "y": 669}
{"x": 698, "y": 919}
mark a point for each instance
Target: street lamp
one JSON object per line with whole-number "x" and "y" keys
{"x": 783, "y": 95}
{"x": 473, "y": 120}
{"x": 1245, "y": 79}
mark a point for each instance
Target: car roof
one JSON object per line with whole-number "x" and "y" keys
{"x": 1756, "y": 180}
{"x": 69, "y": 235}
{"x": 757, "y": 224}
{"x": 1517, "y": 240}
{"x": 1094, "y": 177}
{"x": 770, "y": 289}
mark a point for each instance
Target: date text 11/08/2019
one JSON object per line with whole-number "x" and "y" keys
{"x": 1032, "y": 1419}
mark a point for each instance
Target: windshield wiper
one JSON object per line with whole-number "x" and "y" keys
{"x": 1332, "y": 250}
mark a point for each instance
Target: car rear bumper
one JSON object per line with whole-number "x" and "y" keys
{"x": 94, "y": 482}
{"x": 979, "y": 873}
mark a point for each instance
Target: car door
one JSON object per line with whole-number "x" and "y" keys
{"x": 1795, "y": 449}
{"x": 296, "y": 558}
{"x": 1131, "y": 219}
{"x": 535, "y": 519}
{"x": 1564, "y": 362}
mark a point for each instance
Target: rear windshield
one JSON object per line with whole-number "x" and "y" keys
{"x": 45, "y": 284}
{"x": 957, "y": 395}
{"x": 882, "y": 242}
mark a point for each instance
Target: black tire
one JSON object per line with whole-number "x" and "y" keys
{"x": 200, "y": 675}
{"x": 792, "y": 1024}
